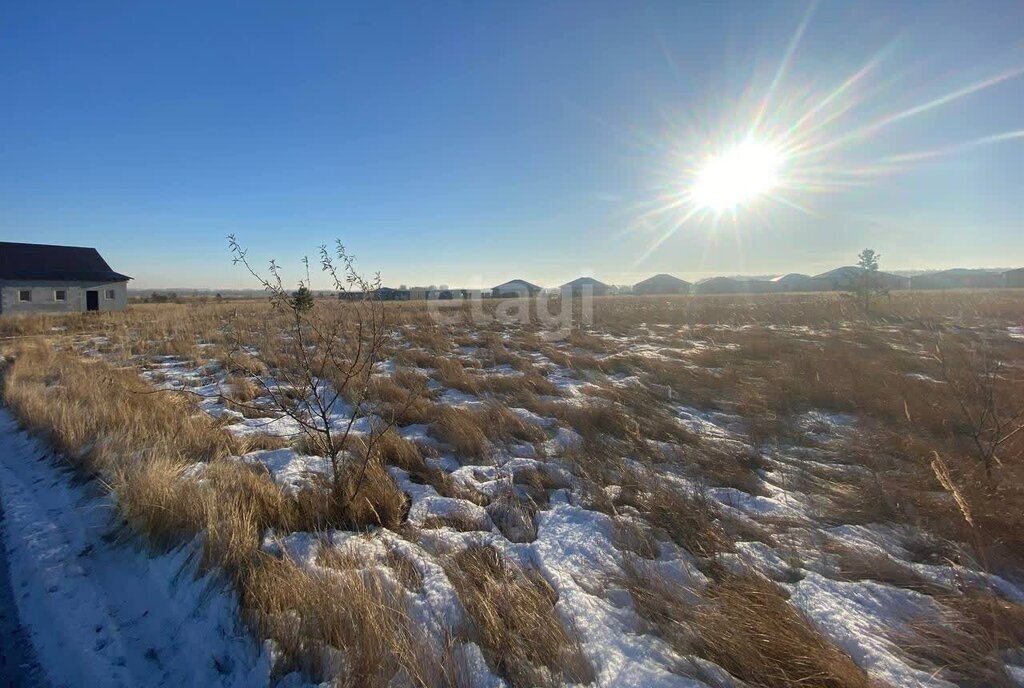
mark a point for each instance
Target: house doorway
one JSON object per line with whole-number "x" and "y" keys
{"x": 92, "y": 300}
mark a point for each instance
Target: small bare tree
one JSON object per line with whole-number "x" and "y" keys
{"x": 992, "y": 414}
{"x": 320, "y": 363}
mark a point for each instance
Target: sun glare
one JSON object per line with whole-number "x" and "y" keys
{"x": 737, "y": 176}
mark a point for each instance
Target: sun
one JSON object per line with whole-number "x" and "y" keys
{"x": 737, "y": 176}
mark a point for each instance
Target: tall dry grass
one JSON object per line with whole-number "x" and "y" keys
{"x": 744, "y": 624}
{"x": 514, "y": 620}
{"x": 142, "y": 445}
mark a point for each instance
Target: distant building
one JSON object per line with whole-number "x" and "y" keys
{"x": 662, "y": 284}
{"x": 515, "y": 288}
{"x": 448, "y": 294}
{"x": 585, "y": 285}
{"x": 733, "y": 285}
{"x": 37, "y": 278}
{"x": 845, "y": 278}
{"x": 1014, "y": 279}
{"x": 389, "y": 294}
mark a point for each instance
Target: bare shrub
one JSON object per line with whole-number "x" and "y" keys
{"x": 989, "y": 400}
{"x": 341, "y": 342}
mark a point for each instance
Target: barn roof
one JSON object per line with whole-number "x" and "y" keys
{"x": 585, "y": 281}
{"x": 44, "y": 262}
{"x": 662, "y": 279}
{"x": 517, "y": 283}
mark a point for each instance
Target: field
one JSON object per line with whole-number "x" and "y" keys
{"x": 775, "y": 490}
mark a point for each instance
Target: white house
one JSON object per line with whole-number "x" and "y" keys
{"x": 37, "y": 278}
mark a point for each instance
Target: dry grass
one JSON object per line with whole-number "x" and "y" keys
{"x": 377, "y": 501}
{"x": 745, "y": 625}
{"x": 463, "y": 520}
{"x": 766, "y": 359}
{"x": 965, "y": 646}
{"x": 47, "y": 391}
{"x": 141, "y": 444}
{"x": 499, "y": 423}
{"x": 394, "y": 450}
{"x": 514, "y": 620}
{"x": 460, "y": 428}
{"x": 749, "y": 629}
{"x": 630, "y": 536}
{"x": 513, "y": 514}
{"x": 688, "y": 517}
{"x": 857, "y": 564}
{"x": 313, "y": 614}
{"x": 593, "y": 419}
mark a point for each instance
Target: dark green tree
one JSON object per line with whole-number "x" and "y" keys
{"x": 302, "y": 299}
{"x": 868, "y": 283}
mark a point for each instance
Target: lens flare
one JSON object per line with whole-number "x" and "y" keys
{"x": 767, "y": 149}
{"x": 737, "y": 176}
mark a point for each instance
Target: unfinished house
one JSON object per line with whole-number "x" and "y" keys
{"x": 38, "y": 278}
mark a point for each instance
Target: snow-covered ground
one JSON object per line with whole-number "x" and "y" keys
{"x": 97, "y": 610}
{"x": 147, "y": 622}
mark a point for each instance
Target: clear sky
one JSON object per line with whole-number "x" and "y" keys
{"x": 470, "y": 143}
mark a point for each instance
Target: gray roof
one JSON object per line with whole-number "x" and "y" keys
{"x": 517, "y": 283}
{"x": 585, "y": 281}
{"x": 44, "y": 262}
{"x": 662, "y": 279}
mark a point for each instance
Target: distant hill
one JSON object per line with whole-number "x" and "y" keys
{"x": 957, "y": 278}
{"x": 844, "y": 277}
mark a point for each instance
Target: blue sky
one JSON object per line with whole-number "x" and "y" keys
{"x": 469, "y": 143}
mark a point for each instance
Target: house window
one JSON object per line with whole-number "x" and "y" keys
{"x": 108, "y": 294}
{"x": 60, "y": 294}
{"x": 24, "y": 295}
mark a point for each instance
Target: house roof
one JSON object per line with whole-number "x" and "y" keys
{"x": 517, "y": 284}
{"x": 850, "y": 272}
{"x": 44, "y": 262}
{"x": 662, "y": 279}
{"x": 585, "y": 281}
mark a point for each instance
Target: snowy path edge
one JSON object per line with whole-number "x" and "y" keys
{"x": 101, "y": 613}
